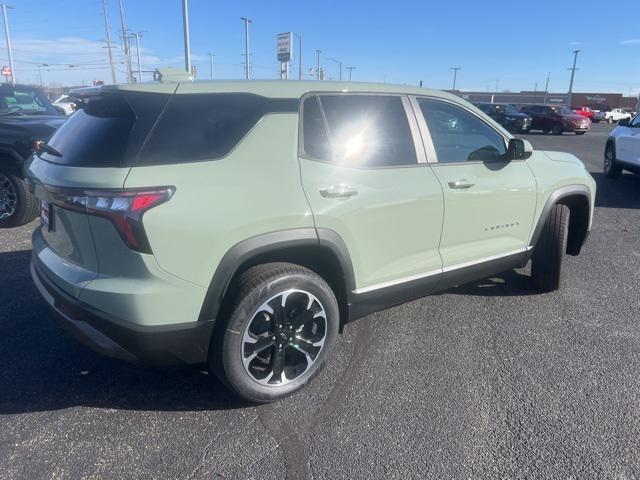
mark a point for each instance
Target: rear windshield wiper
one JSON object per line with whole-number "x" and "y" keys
{"x": 43, "y": 147}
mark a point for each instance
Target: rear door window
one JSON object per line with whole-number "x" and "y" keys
{"x": 358, "y": 130}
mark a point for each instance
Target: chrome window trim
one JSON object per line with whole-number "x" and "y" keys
{"x": 441, "y": 270}
{"x": 317, "y": 94}
{"x": 426, "y": 135}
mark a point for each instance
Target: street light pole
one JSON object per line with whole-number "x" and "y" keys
{"x": 318, "y": 52}
{"x": 8, "y": 39}
{"x": 246, "y": 21}
{"x": 138, "y": 35}
{"x": 211, "y": 55}
{"x": 350, "y": 70}
{"x": 455, "y": 75}
{"x": 339, "y": 63}
{"x": 187, "y": 40}
{"x": 573, "y": 73}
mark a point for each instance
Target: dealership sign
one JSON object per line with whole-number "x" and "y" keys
{"x": 596, "y": 99}
{"x": 285, "y": 42}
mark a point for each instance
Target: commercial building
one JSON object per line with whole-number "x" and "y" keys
{"x": 594, "y": 100}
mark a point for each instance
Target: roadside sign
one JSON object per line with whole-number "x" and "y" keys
{"x": 285, "y": 41}
{"x": 6, "y": 71}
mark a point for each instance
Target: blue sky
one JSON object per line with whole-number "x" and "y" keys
{"x": 513, "y": 43}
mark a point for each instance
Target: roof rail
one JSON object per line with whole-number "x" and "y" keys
{"x": 172, "y": 75}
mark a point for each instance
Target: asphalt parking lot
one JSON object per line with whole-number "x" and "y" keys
{"x": 488, "y": 380}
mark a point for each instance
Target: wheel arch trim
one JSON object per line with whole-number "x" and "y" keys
{"x": 555, "y": 198}
{"x": 273, "y": 242}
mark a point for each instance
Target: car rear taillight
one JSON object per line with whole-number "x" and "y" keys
{"x": 124, "y": 208}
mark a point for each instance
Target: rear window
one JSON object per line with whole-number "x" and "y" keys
{"x": 198, "y": 127}
{"x": 94, "y": 136}
{"x": 24, "y": 101}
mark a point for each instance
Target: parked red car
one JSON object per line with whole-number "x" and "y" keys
{"x": 584, "y": 111}
{"x": 556, "y": 119}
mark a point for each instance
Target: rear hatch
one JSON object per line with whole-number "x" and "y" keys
{"x": 88, "y": 157}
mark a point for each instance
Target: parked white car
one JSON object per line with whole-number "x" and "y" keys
{"x": 623, "y": 148}
{"x": 617, "y": 114}
{"x": 66, "y": 104}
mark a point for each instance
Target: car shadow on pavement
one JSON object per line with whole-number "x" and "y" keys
{"x": 511, "y": 283}
{"x": 622, "y": 192}
{"x": 43, "y": 368}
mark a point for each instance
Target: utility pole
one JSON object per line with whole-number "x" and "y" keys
{"x": 300, "y": 54}
{"x": 350, "y": 70}
{"x": 247, "y": 73}
{"x": 211, "y": 55}
{"x": 106, "y": 27}
{"x": 339, "y": 63}
{"x": 546, "y": 89}
{"x": 8, "y": 39}
{"x": 535, "y": 91}
{"x": 573, "y": 73}
{"x": 125, "y": 43}
{"x": 300, "y": 59}
{"x": 497, "y": 84}
{"x": 318, "y": 52}
{"x": 455, "y": 75}
{"x": 187, "y": 40}
{"x": 138, "y": 35}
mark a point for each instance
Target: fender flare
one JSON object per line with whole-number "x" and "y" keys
{"x": 272, "y": 242}
{"x": 554, "y": 198}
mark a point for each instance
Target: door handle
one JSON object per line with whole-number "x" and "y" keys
{"x": 461, "y": 184}
{"x": 338, "y": 191}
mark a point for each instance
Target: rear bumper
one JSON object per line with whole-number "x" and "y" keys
{"x": 184, "y": 343}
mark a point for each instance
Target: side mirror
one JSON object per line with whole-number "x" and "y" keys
{"x": 518, "y": 149}
{"x": 625, "y": 122}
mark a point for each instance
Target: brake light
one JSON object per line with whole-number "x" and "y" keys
{"x": 124, "y": 208}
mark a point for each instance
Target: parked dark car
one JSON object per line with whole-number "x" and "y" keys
{"x": 26, "y": 116}
{"x": 507, "y": 116}
{"x": 556, "y": 119}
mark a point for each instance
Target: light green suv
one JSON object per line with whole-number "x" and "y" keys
{"x": 244, "y": 223}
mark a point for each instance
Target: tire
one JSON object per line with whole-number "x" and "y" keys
{"x": 17, "y": 205}
{"x": 546, "y": 262}
{"x": 610, "y": 120}
{"x": 546, "y": 132}
{"x": 557, "y": 129}
{"x": 258, "y": 378}
{"x": 612, "y": 169}
{"x": 580, "y": 133}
